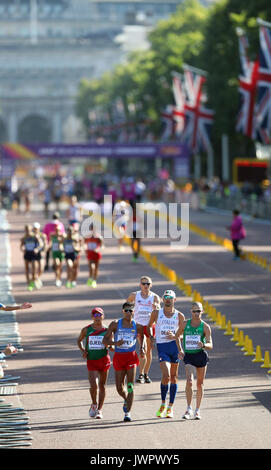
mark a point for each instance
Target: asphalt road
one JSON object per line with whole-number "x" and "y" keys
{"x": 54, "y": 388}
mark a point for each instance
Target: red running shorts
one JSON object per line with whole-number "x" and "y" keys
{"x": 100, "y": 365}
{"x": 125, "y": 360}
{"x": 93, "y": 256}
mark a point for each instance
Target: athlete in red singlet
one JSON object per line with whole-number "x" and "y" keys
{"x": 93, "y": 245}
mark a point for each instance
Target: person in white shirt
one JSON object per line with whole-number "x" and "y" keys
{"x": 168, "y": 326}
{"x": 74, "y": 212}
{"x": 145, "y": 302}
{"x": 121, "y": 214}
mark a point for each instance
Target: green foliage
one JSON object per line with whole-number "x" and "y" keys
{"x": 202, "y": 37}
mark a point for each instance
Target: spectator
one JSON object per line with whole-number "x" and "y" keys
{"x": 237, "y": 233}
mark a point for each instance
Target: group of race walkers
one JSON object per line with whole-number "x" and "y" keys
{"x": 146, "y": 319}
{"x": 65, "y": 246}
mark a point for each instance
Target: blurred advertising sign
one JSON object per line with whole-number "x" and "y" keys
{"x": 90, "y": 150}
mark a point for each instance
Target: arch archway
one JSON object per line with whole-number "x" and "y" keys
{"x": 34, "y": 129}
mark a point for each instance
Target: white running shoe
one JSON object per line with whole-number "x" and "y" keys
{"x": 127, "y": 416}
{"x": 188, "y": 414}
{"x": 169, "y": 412}
{"x": 93, "y": 411}
{"x": 58, "y": 283}
{"x": 99, "y": 415}
{"x": 197, "y": 415}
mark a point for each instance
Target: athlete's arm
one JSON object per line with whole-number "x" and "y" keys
{"x": 108, "y": 337}
{"x": 156, "y": 302}
{"x": 153, "y": 319}
{"x": 79, "y": 342}
{"x": 208, "y": 336}
{"x": 44, "y": 241}
{"x": 131, "y": 297}
{"x": 179, "y": 334}
{"x": 39, "y": 245}
{"x": 9, "y": 308}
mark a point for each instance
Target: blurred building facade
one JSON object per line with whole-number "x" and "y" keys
{"x": 48, "y": 46}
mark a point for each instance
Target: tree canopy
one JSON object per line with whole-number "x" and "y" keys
{"x": 199, "y": 36}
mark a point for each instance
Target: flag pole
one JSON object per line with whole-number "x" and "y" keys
{"x": 195, "y": 69}
{"x": 263, "y": 23}
{"x": 176, "y": 74}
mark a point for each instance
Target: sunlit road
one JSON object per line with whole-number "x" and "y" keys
{"x": 54, "y": 388}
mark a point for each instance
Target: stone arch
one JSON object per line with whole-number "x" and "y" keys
{"x": 34, "y": 129}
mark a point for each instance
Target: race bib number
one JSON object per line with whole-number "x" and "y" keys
{"x": 92, "y": 246}
{"x": 30, "y": 246}
{"x": 143, "y": 314}
{"x": 69, "y": 248}
{"x": 192, "y": 341}
{"x": 95, "y": 342}
{"x": 128, "y": 340}
{"x": 55, "y": 246}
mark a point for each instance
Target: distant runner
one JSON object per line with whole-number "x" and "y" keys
{"x": 71, "y": 245}
{"x": 30, "y": 246}
{"x": 93, "y": 245}
{"x": 57, "y": 247}
{"x": 40, "y": 255}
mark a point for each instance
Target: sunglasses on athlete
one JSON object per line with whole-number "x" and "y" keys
{"x": 145, "y": 283}
{"x": 168, "y": 297}
{"x": 130, "y": 310}
{"x": 97, "y": 314}
{"x": 196, "y": 311}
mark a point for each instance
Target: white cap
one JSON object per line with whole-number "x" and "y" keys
{"x": 36, "y": 225}
{"x": 170, "y": 292}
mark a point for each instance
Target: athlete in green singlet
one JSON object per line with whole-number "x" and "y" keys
{"x": 197, "y": 339}
{"x": 98, "y": 360}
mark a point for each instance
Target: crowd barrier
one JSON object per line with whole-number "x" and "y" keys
{"x": 14, "y": 425}
{"x": 249, "y": 205}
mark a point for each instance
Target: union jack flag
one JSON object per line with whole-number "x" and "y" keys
{"x": 168, "y": 123}
{"x": 179, "y": 109}
{"x": 263, "y": 105}
{"x": 198, "y": 119}
{"x": 247, "y": 88}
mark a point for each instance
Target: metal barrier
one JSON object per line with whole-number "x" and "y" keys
{"x": 14, "y": 428}
{"x": 247, "y": 205}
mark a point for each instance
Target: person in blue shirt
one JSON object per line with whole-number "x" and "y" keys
{"x": 123, "y": 334}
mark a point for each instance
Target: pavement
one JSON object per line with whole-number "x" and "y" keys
{"x": 54, "y": 387}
